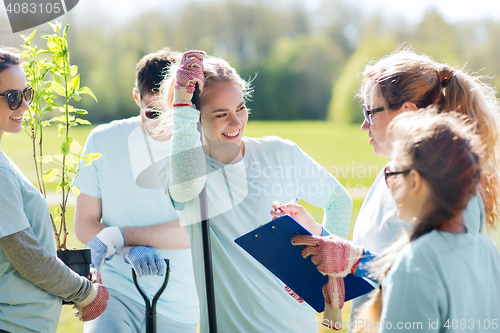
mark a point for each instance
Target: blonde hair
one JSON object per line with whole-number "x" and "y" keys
{"x": 408, "y": 76}
{"x": 443, "y": 149}
{"x": 216, "y": 70}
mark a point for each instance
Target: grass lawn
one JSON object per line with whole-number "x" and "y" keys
{"x": 342, "y": 150}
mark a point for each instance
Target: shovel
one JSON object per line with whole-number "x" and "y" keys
{"x": 151, "y": 307}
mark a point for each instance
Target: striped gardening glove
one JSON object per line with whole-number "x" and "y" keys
{"x": 96, "y": 302}
{"x": 145, "y": 260}
{"x": 335, "y": 257}
{"x": 189, "y": 73}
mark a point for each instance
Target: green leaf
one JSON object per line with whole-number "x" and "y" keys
{"x": 50, "y": 175}
{"x": 86, "y": 90}
{"x": 76, "y": 190}
{"x": 81, "y": 111}
{"x": 65, "y": 32}
{"x": 58, "y": 88}
{"x": 30, "y": 37}
{"x": 55, "y": 26}
{"x": 82, "y": 121}
{"x": 70, "y": 160}
{"x": 90, "y": 157}
{"x": 65, "y": 147}
{"x": 53, "y": 45}
{"x": 58, "y": 60}
{"x": 75, "y": 147}
{"x": 41, "y": 51}
{"x": 74, "y": 70}
{"x": 61, "y": 119}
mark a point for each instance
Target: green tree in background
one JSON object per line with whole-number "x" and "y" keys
{"x": 344, "y": 106}
{"x": 307, "y": 61}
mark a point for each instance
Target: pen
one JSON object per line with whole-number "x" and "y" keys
{"x": 294, "y": 201}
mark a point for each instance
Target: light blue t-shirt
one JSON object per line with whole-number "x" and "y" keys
{"x": 124, "y": 204}
{"x": 248, "y": 297}
{"x": 24, "y": 307}
{"x": 378, "y": 225}
{"x": 444, "y": 280}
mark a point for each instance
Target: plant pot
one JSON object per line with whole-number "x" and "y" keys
{"x": 78, "y": 260}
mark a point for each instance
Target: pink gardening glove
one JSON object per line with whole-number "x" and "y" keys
{"x": 96, "y": 302}
{"x": 335, "y": 257}
{"x": 189, "y": 73}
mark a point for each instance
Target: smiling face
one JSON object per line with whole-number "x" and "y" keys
{"x": 12, "y": 78}
{"x": 223, "y": 118}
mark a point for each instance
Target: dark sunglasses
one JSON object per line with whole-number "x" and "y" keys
{"x": 15, "y": 98}
{"x": 389, "y": 175}
{"x": 368, "y": 112}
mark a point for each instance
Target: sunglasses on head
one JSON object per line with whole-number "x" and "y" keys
{"x": 15, "y": 98}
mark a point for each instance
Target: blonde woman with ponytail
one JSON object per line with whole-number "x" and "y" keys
{"x": 406, "y": 81}
{"x": 445, "y": 276}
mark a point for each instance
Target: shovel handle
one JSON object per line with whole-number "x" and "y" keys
{"x": 151, "y": 307}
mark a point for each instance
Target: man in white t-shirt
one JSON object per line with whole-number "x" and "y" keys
{"x": 118, "y": 214}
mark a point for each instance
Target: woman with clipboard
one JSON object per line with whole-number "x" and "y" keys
{"x": 242, "y": 176}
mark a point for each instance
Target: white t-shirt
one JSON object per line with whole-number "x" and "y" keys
{"x": 248, "y": 297}
{"x": 124, "y": 204}
{"x": 24, "y": 307}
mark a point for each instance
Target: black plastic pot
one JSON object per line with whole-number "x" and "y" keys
{"x": 78, "y": 260}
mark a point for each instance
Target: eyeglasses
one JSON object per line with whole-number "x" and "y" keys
{"x": 389, "y": 175}
{"x": 367, "y": 112}
{"x": 15, "y": 98}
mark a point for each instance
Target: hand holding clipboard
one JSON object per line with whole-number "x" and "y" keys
{"x": 271, "y": 245}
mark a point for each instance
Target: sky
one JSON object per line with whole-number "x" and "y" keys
{"x": 453, "y": 11}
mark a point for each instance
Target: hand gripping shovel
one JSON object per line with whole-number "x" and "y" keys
{"x": 151, "y": 307}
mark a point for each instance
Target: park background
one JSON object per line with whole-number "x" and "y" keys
{"x": 303, "y": 58}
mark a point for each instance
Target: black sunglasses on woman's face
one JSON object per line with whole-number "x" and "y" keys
{"x": 15, "y": 98}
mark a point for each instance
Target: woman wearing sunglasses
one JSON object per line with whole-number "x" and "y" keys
{"x": 444, "y": 276}
{"x": 243, "y": 176}
{"x": 33, "y": 281}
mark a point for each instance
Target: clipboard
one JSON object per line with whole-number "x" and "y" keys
{"x": 271, "y": 244}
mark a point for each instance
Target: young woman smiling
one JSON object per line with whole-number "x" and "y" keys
{"x": 243, "y": 177}
{"x": 33, "y": 281}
